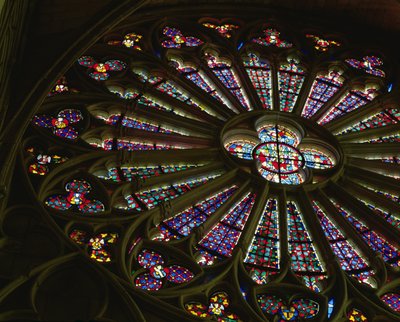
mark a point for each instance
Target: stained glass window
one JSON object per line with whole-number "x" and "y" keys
{"x": 369, "y": 64}
{"x": 183, "y": 223}
{"x": 322, "y": 44}
{"x": 101, "y": 71}
{"x": 156, "y": 273}
{"x": 200, "y": 79}
{"x": 153, "y": 196}
{"x": 383, "y": 118}
{"x": 304, "y": 258}
{"x": 177, "y": 39}
{"x": 322, "y": 90}
{"x": 352, "y": 100}
{"x": 130, "y": 40}
{"x": 224, "y": 30}
{"x": 290, "y": 81}
{"x": 390, "y": 218}
{"x": 228, "y": 77}
{"x": 355, "y": 315}
{"x": 392, "y": 300}
{"x": 262, "y": 256}
{"x": 272, "y": 37}
{"x": 196, "y": 163}
{"x": 374, "y": 240}
{"x": 223, "y": 237}
{"x": 259, "y": 72}
{"x": 348, "y": 256}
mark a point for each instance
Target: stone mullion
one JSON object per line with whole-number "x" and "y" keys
{"x": 285, "y": 262}
{"x": 181, "y": 175}
{"x": 374, "y": 178}
{"x": 188, "y": 109}
{"x": 312, "y": 222}
{"x": 200, "y": 95}
{"x": 361, "y": 113}
{"x": 221, "y": 87}
{"x": 156, "y": 157}
{"x": 332, "y": 102}
{"x": 199, "y": 194}
{"x": 373, "y": 197}
{"x": 275, "y": 84}
{"x": 372, "y": 150}
{"x": 203, "y": 229}
{"x": 166, "y": 138}
{"x": 305, "y": 91}
{"x": 370, "y": 133}
{"x": 257, "y": 211}
{"x": 365, "y": 214}
{"x": 349, "y": 231}
{"x": 176, "y": 121}
{"x": 251, "y": 92}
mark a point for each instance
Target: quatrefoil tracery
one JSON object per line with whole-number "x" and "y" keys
{"x": 279, "y": 153}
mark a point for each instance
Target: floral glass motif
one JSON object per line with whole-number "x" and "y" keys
{"x": 223, "y": 30}
{"x": 290, "y": 81}
{"x": 297, "y": 309}
{"x": 355, "y": 315}
{"x": 60, "y": 87}
{"x": 60, "y": 125}
{"x": 177, "y": 39}
{"x": 272, "y": 37}
{"x": 304, "y": 259}
{"x": 322, "y": 90}
{"x": 183, "y": 223}
{"x": 101, "y": 71}
{"x": 262, "y": 257}
{"x": 228, "y": 77}
{"x": 99, "y": 246}
{"x": 322, "y": 44}
{"x": 392, "y": 300}
{"x": 130, "y": 40}
{"x": 348, "y": 257}
{"x": 157, "y": 271}
{"x": 352, "y": 100}
{"x": 369, "y": 64}
{"x": 42, "y": 161}
{"x": 277, "y": 154}
{"x": 217, "y": 309}
{"x": 259, "y": 72}
{"x": 76, "y": 198}
{"x": 79, "y": 236}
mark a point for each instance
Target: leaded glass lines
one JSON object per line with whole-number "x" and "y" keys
{"x": 263, "y": 253}
{"x": 290, "y": 81}
{"x": 182, "y": 224}
{"x": 348, "y": 257}
{"x": 223, "y": 237}
{"x": 322, "y": 90}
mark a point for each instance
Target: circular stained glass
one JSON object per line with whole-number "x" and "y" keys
{"x": 238, "y": 183}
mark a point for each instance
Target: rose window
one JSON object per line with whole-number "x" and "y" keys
{"x": 226, "y": 169}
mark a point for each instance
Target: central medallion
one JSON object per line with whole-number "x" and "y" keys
{"x": 277, "y": 157}
{"x": 282, "y": 149}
